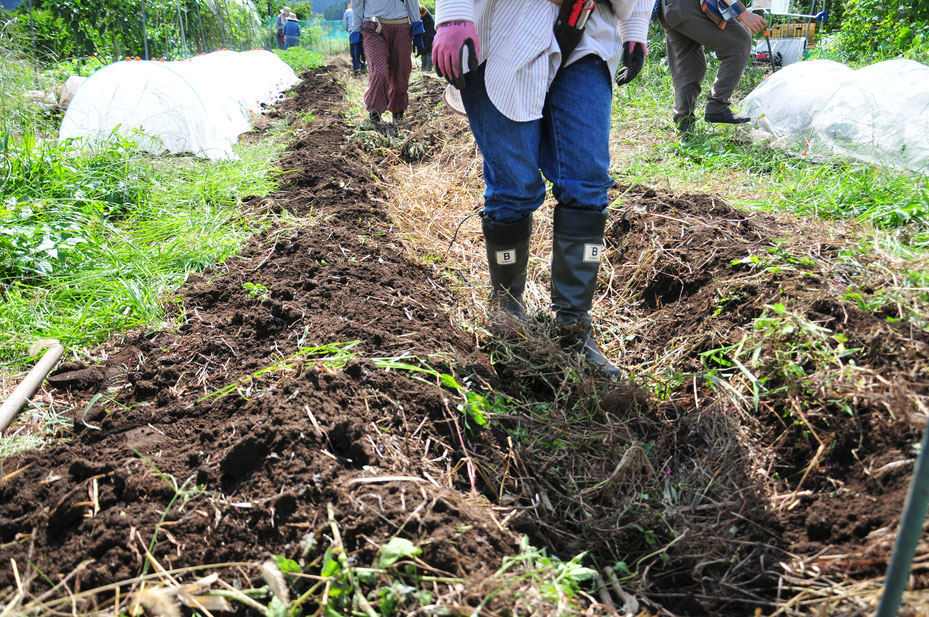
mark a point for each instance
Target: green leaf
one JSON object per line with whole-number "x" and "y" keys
{"x": 622, "y": 567}
{"x": 395, "y": 550}
{"x": 285, "y": 565}
{"x": 276, "y": 608}
{"x": 449, "y": 382}
{"x": 330, "y": 566}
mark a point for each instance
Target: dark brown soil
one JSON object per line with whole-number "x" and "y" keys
{"x": 256, "y": 472}
{"x": 228, "y": 437}
{"x": 697, "y": 293}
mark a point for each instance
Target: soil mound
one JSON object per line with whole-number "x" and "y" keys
{"x": 227, "y": 438}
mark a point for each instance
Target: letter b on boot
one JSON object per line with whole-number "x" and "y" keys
{"x": 593, "y": 252}
{"x": 507, "y": 257}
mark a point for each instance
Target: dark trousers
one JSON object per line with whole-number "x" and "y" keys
{"x": 687, "y": 31}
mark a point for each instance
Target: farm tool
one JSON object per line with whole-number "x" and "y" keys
{"x": 29, "y": 385}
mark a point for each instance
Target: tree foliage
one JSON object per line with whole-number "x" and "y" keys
{"x": 335, "y": 11}
{"x": 120, "y": 28}
{"x": 874, "y": 30}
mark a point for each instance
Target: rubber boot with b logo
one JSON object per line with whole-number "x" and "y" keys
{"x": 577, "y": 249}
{"x": 507, "y": 258}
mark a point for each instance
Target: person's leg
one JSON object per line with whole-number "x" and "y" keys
{"x": 376, "y": 51}
{"x": 731, "y": 44}
{"x": 575, "y": 155}
{"x": 354, "y": 50}
{"x": 400, "y": 64}
{"x": 687, "y": 65}
{"x": 514, "y": 190}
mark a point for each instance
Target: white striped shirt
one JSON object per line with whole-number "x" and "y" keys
{"x": 517, "y": 41}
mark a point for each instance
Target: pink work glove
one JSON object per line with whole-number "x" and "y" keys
{"x": 454, "y": 50}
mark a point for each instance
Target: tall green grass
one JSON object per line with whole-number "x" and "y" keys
{"x": 89, "y": 243}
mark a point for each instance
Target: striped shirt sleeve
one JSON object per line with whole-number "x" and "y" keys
{"x": 453, "y": 10}
{"x": 636, "y": 27}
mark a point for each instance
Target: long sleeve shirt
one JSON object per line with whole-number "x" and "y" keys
{"x": 292, "y": 30}
{"x": 347, "y": 19}
{"x": 365, "y": 10}
{"x": 517, "y": 40}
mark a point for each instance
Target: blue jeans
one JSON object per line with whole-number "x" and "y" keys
{"x": 570, "y": 144}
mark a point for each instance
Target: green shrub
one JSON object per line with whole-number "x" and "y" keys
{"x": 873, "y": 30}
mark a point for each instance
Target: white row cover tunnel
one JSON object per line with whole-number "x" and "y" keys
{"x": 822, "y": 109}
{"x": 198, "y": 106}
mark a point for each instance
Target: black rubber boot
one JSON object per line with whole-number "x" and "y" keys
{"x": 576, "y": 251}
{"x": 507, "y": 258}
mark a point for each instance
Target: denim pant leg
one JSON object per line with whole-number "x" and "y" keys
{"x": 514, "y": 185}
{"x": 575, "y": 141}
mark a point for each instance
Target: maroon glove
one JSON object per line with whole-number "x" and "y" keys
{"x": 455, "y": 50}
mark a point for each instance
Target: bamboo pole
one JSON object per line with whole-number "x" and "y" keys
{"x": 29, "y": 385}
{"x": 145, "y": 31}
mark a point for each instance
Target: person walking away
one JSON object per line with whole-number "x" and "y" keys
{"x": 355, "y": 49}
{"x": 279, "y": 22}
{"x": 540, "y": 102}
{"x": 291, "y": 32}
{"x": 388, "y": 30}
{"x": 428, "y": 36}
{"x": 722, "y": 26}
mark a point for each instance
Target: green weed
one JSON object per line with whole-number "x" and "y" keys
{"x": 784, "y": 352}
{"x": 333, "y": 355}
{"x": 535, "y": 579}
{"x": 474, "y": 406}
{"x": 256, "y": 290}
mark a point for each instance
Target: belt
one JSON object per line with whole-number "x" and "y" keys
{"x": 380, "y": 21}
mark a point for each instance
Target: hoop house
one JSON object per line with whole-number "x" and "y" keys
{"x": 200, "y": 106}
{"x": 876, "y": 114}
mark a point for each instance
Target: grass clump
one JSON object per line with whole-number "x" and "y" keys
{"x": 91, "y": 241}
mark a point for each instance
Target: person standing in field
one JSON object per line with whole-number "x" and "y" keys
{"x": 279, "y": 23}
{"x": 536, "y": 101}
{"x": 355, "y": 49}
{"x": 388, "y": 30}
{"x": 722, "y": 26}
{"x": 291, "y": 31}
{"x": 428, "y": 36}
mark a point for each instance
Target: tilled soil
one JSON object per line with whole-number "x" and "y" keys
{"x": 229, "y": 437}
{"x": 240, "y": 476}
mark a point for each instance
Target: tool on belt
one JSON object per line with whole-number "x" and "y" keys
{"x": 569, "y": 27}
